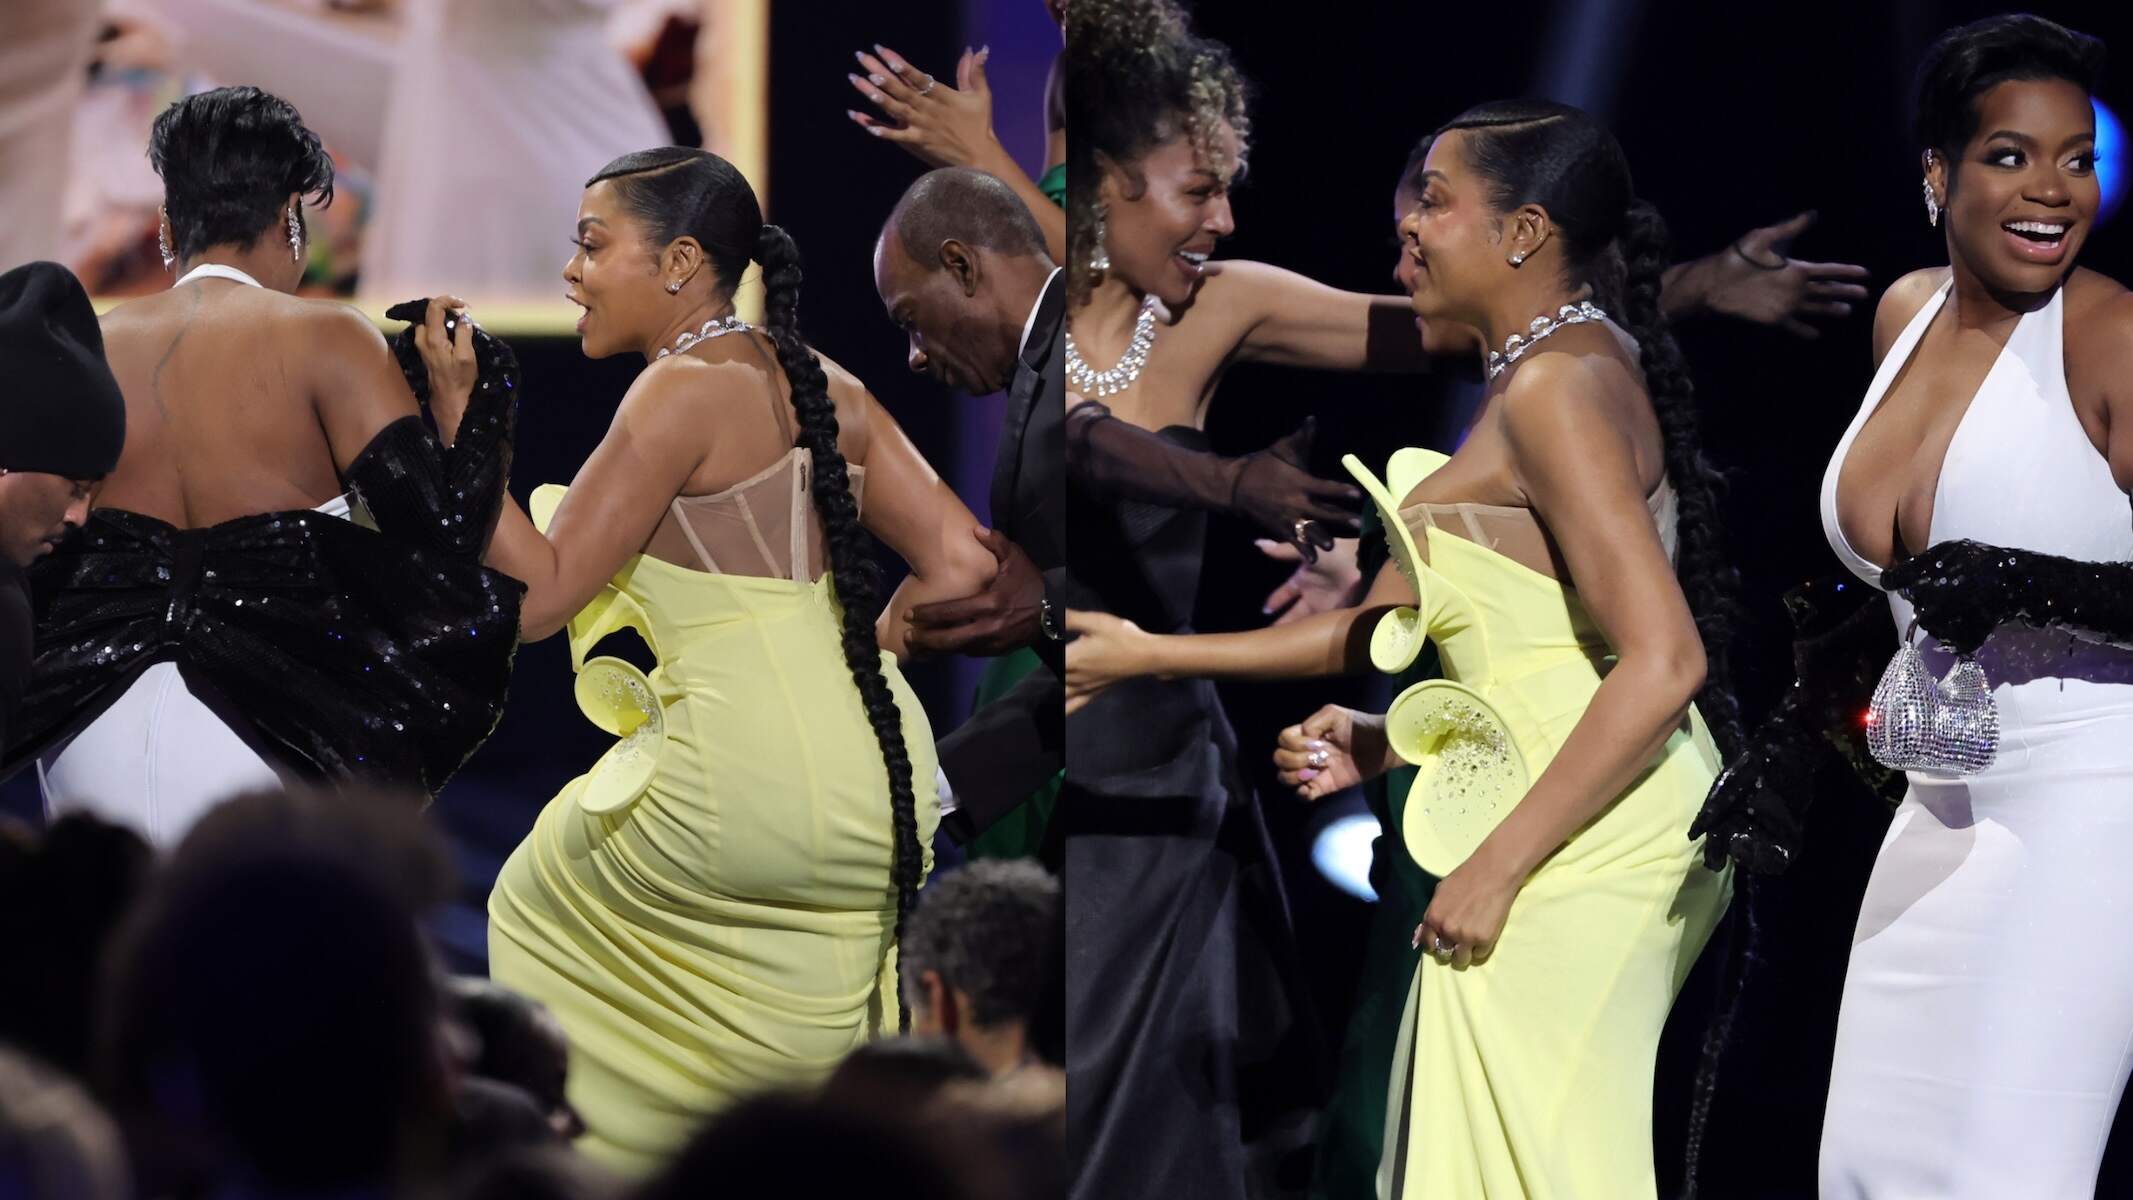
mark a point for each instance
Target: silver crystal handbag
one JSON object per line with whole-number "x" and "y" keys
{"x": 1949, "y": 726}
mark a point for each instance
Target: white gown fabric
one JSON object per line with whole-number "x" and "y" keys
{"x": 1987, "y": 1022}
{"x": 500, "y": 110}
{"x": 44, "y": 59}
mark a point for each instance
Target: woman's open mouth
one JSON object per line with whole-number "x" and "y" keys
{"x": 2041, "y": 241}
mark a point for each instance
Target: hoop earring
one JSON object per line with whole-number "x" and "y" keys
{"x": 296, "y": 236}
{"x": 1102, "y": 261}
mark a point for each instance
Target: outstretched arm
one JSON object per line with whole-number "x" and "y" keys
{"x": 945, "y": 126}
{"x": 1115, "y": 460}
{"x": 1294, "y": 321}
{"x": 1110, "y": 649}
{"x": 617, "y": 498}
{"x": 1755, "y": 280}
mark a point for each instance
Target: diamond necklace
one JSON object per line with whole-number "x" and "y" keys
{"x": 1515, "y": 346}
{"x": 1095, "y": 384}
{"x": 715, "y": 327}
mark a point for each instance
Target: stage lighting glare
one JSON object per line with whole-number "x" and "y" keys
{"x": 1342, "y": 854}
{"x": 2110, "y": 160}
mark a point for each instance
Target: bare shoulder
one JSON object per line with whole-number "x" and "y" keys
{"x": 327, "y": 326}
{"x": 1901, "y": 302}
{"x": 121, "y": 325}
{"x": 1569, "y": 394}
{"x": 691, "y": 384}
{"x": 2098, "y": 304}
{"x": 842, "y": 382}
{"x": 1240, "y": 281}
{"x": 1239, "y": 292}
{"x": 2099, "y": 328}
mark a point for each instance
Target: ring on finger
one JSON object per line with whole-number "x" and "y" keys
{"x": 1317, "y": 759}
{"x": 1442, "y": 946}
{"x": 928, "y": 89}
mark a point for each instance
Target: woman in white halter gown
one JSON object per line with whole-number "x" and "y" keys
{"x": 1987, "y": 1023}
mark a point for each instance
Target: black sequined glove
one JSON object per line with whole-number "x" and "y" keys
{"x": 1270, "y": 487}
{"x": 1842, "y": 644}
{"x": 1963, "y": 590}
{"x": 416, "y": 488}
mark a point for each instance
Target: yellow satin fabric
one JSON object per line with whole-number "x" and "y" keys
{"x": 709, "y": 911}
{"x": 1530, "y": 1075}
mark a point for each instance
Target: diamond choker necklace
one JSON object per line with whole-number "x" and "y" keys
{"x": 715, "y": 327}
{"x": 1515, "y": 346}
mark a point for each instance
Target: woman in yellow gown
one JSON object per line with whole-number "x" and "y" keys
{"x": 1565, "y": 753}
{"x": 712, "y": 909}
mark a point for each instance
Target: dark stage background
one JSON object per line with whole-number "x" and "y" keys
{"x": 1733, "y": 116}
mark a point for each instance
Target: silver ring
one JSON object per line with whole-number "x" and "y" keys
{"x": 1440, "y": 946}
{"x": 928, "y": 89}
{"x": 1316, "y": 759}
{"x": 1303, "y": 529}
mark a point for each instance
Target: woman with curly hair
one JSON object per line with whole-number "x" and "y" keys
{"x": 1566, "y": 562}
{"x": 712, "y": 909}
{"x": 1191, "y": 1051}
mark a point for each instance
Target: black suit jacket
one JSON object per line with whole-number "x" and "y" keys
{"x": 1013, "y": 746}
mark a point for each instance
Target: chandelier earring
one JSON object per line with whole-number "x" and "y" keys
{"x": 170, "y": 260}
{"x": 296, "y": 236}
{"x": 1102, "y": 261}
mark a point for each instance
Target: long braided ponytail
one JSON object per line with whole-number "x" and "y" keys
{"x": 681, "y": 192}
{"x": 857, "y": 578}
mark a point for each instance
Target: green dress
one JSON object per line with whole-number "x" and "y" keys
{"x": 1053, "y": 185}
{"x": 1020, "y": 833}
{"x": 1352, "y": 1128}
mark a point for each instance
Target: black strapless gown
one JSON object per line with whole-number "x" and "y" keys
{"x": 1191, "y": 1052}
{"x": 338, "y": 652}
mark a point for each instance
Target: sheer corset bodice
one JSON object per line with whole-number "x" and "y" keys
{"x": 765, "y": 526}
{"x": 1517, "y": 534}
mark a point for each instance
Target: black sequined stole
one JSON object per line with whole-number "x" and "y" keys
{"x": 342, "y": 652}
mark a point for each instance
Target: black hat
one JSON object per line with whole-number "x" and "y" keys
{"x": 60, "y": 409}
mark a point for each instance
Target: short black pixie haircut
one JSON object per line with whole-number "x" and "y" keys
{"x": 1972, "y": 59}
{"x": 229, "y": 158}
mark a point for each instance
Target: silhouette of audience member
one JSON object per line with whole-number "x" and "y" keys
{"x": 980, "y": 960}
{"x": 272, "y": 1019}
{"x": 63, "y": 893}
{"x": 55, "y": 1143}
